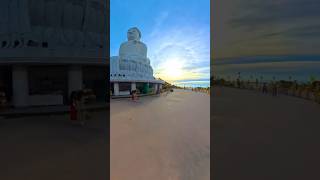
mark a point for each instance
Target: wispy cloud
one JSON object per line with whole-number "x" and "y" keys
{"x": 259, "y": 13}
{"x": 186, "y": 44}
{"x": 262, "y": 27}
{"x": 159, "y": 22}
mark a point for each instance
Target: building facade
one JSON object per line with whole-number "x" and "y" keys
{"x": 49, "y": 48}
{"x": 131, "y": 70}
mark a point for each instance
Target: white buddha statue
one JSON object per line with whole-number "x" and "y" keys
{"x": 133, "y": 49}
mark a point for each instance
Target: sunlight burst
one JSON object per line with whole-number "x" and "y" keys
{"x": 172, "y": 69}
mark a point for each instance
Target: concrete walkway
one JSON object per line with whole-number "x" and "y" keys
{"x": 161, "y": 137}
{"x": 258, "y": 136}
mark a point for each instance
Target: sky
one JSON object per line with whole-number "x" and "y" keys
{"x": 176, "y": 32}
{"x": 259, "y": 27}
{"x": 286, "y": 31}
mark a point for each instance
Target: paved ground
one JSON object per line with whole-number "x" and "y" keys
{"x": 165, "y": 137}
{"x": 262, "y": 137}
{"x": 48, "y": 147}
{"x": 45, "y": 110}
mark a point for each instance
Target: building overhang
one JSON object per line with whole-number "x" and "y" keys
{"x": 54, "y": 61}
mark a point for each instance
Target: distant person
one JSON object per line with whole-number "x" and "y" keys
{"x": 79, "y": 103}
{"x": 133, "y": 95}
{"x": 73, "y": 107}
{"x": 274, "y": 89}
{"x": 3, "y": 100}
{"x": 264, "y": 88}
{"x": 238, "y": 83}
{"x": 136, "y": 95}
{"x": 83, "y": 112}
{"x": 89, "y": 98}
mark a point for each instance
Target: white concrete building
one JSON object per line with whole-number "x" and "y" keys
{"x": 50, "y": 48}
{"x": 131, "y": 70}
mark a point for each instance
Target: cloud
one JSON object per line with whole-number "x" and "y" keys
{"x": 260, "y": 13}
{"x": 262, "y": 27}
{"x": 159, "y": 22}
{"x": 188, "y": 45}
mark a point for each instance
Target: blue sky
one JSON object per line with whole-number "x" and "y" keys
{"x": 177, "y": 33}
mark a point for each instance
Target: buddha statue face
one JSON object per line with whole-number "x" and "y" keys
{"x": 133, "y": 34}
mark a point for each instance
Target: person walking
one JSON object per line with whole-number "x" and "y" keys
{"x": 82, "y": 108}
{"x": 264, "y": 88}
{"x": 133, "y": 95}
{"x": 274, "y": 89}
{"x": 238, "y": 83}
{"x": 73, "y": 107}
{"x": 79, "y": 104}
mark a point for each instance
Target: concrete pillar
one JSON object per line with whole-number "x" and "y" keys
{"x": 20, "y": 86}
{"x": 116, "y": 88}
{"x": 74, "y": 79}
{"x": 133, "y": 86}
{"x": 160, "y": 86}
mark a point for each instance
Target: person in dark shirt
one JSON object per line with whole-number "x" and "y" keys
{"x": 264, "y": 88}
{"x": 73, "y": 108}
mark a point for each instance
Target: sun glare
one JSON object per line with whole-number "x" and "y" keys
{"x": 172, "y": 69}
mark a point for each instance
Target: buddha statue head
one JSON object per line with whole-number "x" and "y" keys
{"x": 134, "y": 34}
